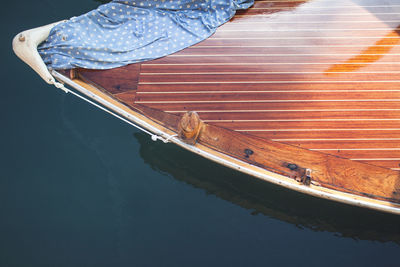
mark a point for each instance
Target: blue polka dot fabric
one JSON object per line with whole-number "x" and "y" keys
{"x": 125, "y": 32}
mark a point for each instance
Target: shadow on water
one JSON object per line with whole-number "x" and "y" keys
{"x": 260, "y": 197}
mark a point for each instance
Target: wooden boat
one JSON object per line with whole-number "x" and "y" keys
{"x": 304, "y": 94}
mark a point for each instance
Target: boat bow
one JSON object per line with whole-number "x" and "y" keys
{"x": 25, "y": 47}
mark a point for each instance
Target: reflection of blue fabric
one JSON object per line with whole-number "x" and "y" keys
{"x": 124, "y": 32}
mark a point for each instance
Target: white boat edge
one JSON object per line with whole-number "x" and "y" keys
{"x": 25, "y": 47}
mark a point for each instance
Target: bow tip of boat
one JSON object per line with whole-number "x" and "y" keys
{"x": 25, "y": 46}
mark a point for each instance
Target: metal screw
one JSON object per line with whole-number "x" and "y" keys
{"x": 21, "y": 38}
{"x": 248, "y": 152}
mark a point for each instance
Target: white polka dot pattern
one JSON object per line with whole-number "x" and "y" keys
{"x": 125, "y": 32}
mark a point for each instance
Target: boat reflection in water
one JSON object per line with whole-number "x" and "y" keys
{"x": 260, "y": 197}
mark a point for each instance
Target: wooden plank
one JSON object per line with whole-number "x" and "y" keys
{"x": 295, "y": 23}
{"x": 360, "y": 107}
{"x": 149, "y": 68}
{"x": 321, "y": 5}
{"x": 328, "y": 135}
{"x": 305, "y": 33}
{"x": 319, "y": 17}
{"x": 282, "y": 87}
{"x": 391, "y": 96}
{"x": 266, "y": 78}
{"x": 297, "y": 41}
{"x": 300, "y": 116}
{"x": 370, "y": 154}
{"x": 273, "y": 3}
{"x": 345, "y": 144}
{"x": 308, "y": 125}
{"x": 283, "y": 58}
{"x": 310, "y": 49}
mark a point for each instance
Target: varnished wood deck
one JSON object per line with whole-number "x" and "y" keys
{"x": 320, "y": 75}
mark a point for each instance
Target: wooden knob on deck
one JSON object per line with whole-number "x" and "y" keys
{"x": 189, "y": 127}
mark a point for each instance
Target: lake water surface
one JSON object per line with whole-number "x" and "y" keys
{"x": 80, "y": 188}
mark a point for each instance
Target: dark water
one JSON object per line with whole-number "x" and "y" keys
{"x": 79, "y": 188}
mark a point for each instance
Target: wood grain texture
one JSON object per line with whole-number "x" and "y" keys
{"x": 319, "y": 75}
{"x": 115, "y": 81}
